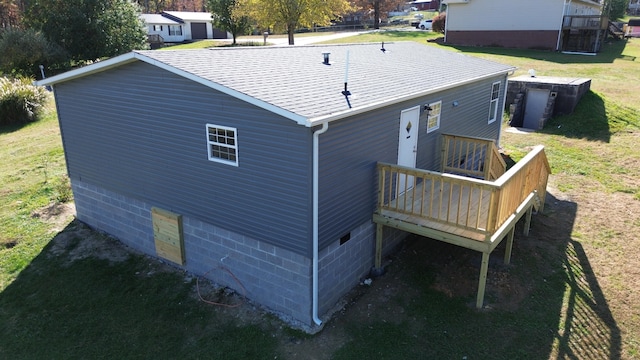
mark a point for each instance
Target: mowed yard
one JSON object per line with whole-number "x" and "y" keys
{"x": 572, "y": 290}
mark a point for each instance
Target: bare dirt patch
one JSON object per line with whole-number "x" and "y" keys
{"x": 57, "y": 214}
{"x": 79, "y": 242}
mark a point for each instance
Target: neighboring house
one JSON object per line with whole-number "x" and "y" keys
{"x": 262, "y": 161}
{"x": 180, "y": 26}
{"x": 426, "y": 5}
{"x": 359, "y": 17}
{"x": 170, "y": 31}
{"x": 575, "y": 25}
{"x": 634, "y": 7}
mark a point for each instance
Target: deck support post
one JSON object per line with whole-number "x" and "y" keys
{"x": 527, "y": 221}
{"x": 482, "y": 282}
{"x": 378, "y": 259}
{"x": 507, "y": 251}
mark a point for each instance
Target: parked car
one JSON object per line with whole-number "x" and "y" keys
{"x": 425, "y": 24}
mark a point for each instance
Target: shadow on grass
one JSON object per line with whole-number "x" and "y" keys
{"x": 7, "y": 129}
{"x": 610, "y": 51}
{"x": 588, "y": 329}
{"x": 594, "y": 119}
{"x": 546, "y": 304}
{"x": 588, "y": 121}
{"x": 100, "y": 309}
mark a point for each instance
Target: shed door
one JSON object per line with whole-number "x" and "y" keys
{"x": 198, "y": 31}
{"x": 408, "y": 144}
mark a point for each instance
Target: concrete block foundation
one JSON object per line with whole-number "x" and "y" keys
{"x": 276, "y": 278}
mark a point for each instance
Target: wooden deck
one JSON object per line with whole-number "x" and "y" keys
{"x": 473, "y": 213}
{"x": 445, "y": 205}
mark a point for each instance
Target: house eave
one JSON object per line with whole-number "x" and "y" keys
{"x": 96, "y": 67}
{"x": 299, "y": 119}
{"x": 369, "y": 107}
{"x": 134, "y": 56}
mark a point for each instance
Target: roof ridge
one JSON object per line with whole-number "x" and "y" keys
{"x": 295, "y": 82}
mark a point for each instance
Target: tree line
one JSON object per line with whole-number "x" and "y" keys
{"x": 61, "y": 34}
{"x": 11, "y": 10}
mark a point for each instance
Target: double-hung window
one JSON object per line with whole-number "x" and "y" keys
{"x": 175, "y": 30}
{"x": 433, "y": 120}
{"x": 222, "y": 144}
{"x": 493, "y": 105}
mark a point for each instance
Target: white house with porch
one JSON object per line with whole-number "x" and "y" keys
{"x": 180, "y": 26}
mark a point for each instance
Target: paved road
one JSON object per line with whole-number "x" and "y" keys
{"x": 306, "y": 40}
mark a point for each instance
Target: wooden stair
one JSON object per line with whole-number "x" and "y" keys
{"x": 615, "y": 31}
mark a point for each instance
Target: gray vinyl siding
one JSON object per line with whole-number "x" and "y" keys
{"x": 140, "y": 131}
{"x": 350, "y": 149}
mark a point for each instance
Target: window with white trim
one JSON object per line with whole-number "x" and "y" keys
{"x": 175, "y": 30}
{"x": 433, "y": 120}
{"x": 222, "y": 144}
{"x": 493, "y": 106}
{"x": 157, "y": 27}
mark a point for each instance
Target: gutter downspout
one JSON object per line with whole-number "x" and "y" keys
{"x": 316, "y": 161}
{"x": 565, "y": 7}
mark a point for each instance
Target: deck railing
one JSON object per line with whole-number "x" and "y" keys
{"x": 471, "y": 156}
{"x": 155, "y": 38}
{"x": 585, "y": 22}
{"x": 459, "y": 201}
{"x": 529, "y": 174}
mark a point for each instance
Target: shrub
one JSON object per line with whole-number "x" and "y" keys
{"x": 23, "y": 51}
{"x": 20, "y": 102}
{"x": 438, "y": 22}
{"x": 62, "y": 189}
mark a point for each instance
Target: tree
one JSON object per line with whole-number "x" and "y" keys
{"x": 23, "y": 51}
{"x": 289, "y": 15}
{"x": 9, "y": 16}
{"x": 439, "y": 22}
{"x": 157, "y": 6}
{"x": 89, "y": 29}
{"x": 615, "y": 9}
{"x": 230, "y": 15}
{"x": 379, "y": 8}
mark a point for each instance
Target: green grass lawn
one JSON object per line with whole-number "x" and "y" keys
{"x": 573, "y": 285}
{"x": 31, "y": 170}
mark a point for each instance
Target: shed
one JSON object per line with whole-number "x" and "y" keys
{"x": 262, "y": 160}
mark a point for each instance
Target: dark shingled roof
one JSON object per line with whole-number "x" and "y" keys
{"x": 294, "y": 82}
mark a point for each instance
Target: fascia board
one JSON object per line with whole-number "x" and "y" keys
{"x": 343, "y": 114}
{"x": 89, "y": 69}
{"x": 133, "y": 56}
{"x": 301, "y": 120}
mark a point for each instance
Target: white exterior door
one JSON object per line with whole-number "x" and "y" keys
{"x": 408, "y": 144}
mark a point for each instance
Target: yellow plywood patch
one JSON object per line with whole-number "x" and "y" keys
{"x": 167, "y": 233}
